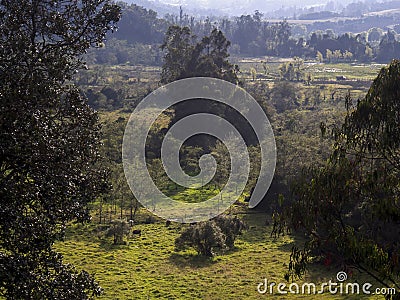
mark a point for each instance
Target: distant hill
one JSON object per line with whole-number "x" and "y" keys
{"x": 172, "y": 7}
{"x": 271, "y": 8}
{"x": 239, "y": 7}
{"x": 319, "y": 15}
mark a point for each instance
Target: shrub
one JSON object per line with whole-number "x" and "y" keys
{"x": 118, "y": 230}
{"x": 205, "y": 237}
{"x": 231, "y": 228}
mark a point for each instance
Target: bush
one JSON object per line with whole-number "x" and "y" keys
{"x": 205, "y": 237}
{"x": 118, "y": 230}
{"x": 231, "y": 228}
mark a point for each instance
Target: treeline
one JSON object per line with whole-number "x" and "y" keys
{"x": 350, "y": 46}
{"x": 361, "y": 24}
{"x": 141, "y": 33}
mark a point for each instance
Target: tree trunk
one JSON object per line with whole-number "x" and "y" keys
{"x": 121, "y": 205}
{"x": 100, "y": 212}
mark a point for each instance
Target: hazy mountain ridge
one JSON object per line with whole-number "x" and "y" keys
{"x": 238, "y": 7}
{"x": 172, "y": 7}
{"x": 219, "y": 8}
{"x": 270, "y": 8}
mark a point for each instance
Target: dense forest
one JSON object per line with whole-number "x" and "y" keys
{"x": 142, "y": 30}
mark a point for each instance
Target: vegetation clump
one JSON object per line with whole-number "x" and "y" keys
{"x": 206, "y": 237}
{"x": 118, "y": 230}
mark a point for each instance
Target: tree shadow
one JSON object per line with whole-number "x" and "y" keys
{"x": 231, "y": 251}
{"x": 260, "y": 229}
{"x": 257, "y": 231}
{"x": 192, "y": 260}
{"x": 108, "y": 246}
{"x": 287, "y": 247}
{"x": 79, "y": 232}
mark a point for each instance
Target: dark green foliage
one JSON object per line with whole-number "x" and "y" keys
{"x": 231, "y": 228}
{"x": 247, "y": 31}
{"x": 139, "y": 25}
{"x": 346, "y": 42}
{"x": 120, "y": 52}
{"x": 284, "y": 96}
{"x": 350, "y": 207}
{"x": 49, "y": 140}
{"x": 118, "y": 230}
{"x": 389, "y": 47}
{"x": 185, "y": 57}
{"x": 141, "y": 32}
{"x": 205, "y": 237}
{"x": 179, "y": 46}
{"x": 120, "y": 193}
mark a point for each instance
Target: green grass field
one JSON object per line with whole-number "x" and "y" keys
{"x": 149, "y": 268}
{"x": 319, "y": 71}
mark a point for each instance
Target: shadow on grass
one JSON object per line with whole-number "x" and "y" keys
{"x": 297, "y": 240}
{"x": 183, "y": 260}
{"x": 257, "y": 230}
{"x": 193, "y": 260}
{"x": 260, "y": 231}
{"x": 287, "y": 247}
{"x": 106, "y": 244}
{"x": 79, "y": 232}
{"x": 255, "y": 235}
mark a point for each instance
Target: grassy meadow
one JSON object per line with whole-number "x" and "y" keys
{"x": 148, "y": 267}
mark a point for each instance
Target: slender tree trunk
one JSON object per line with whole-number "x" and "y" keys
{"x": 131, "y": 210}
{"x": 100, "y": 211}
{"x": 121, "y": 206}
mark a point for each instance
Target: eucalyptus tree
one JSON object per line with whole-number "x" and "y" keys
{"x": 349, "y": 209}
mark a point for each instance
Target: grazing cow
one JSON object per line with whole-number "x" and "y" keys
{"x": 137, "y": 231}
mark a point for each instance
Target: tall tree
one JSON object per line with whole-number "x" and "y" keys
{"x": 186, "y": 57}
{"x": 389, "y": 48}
{"x": 350, "y": 208}
{"x": 140, "y": 25}
{"x": 178, "y": 45}
{"x": 48, "y": 142}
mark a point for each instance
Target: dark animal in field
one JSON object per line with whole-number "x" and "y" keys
{"x": 137, "y": 232}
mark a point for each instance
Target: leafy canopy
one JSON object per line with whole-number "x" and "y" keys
{"x": 186, "y": 57}
{"x": 49, "y": 140}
